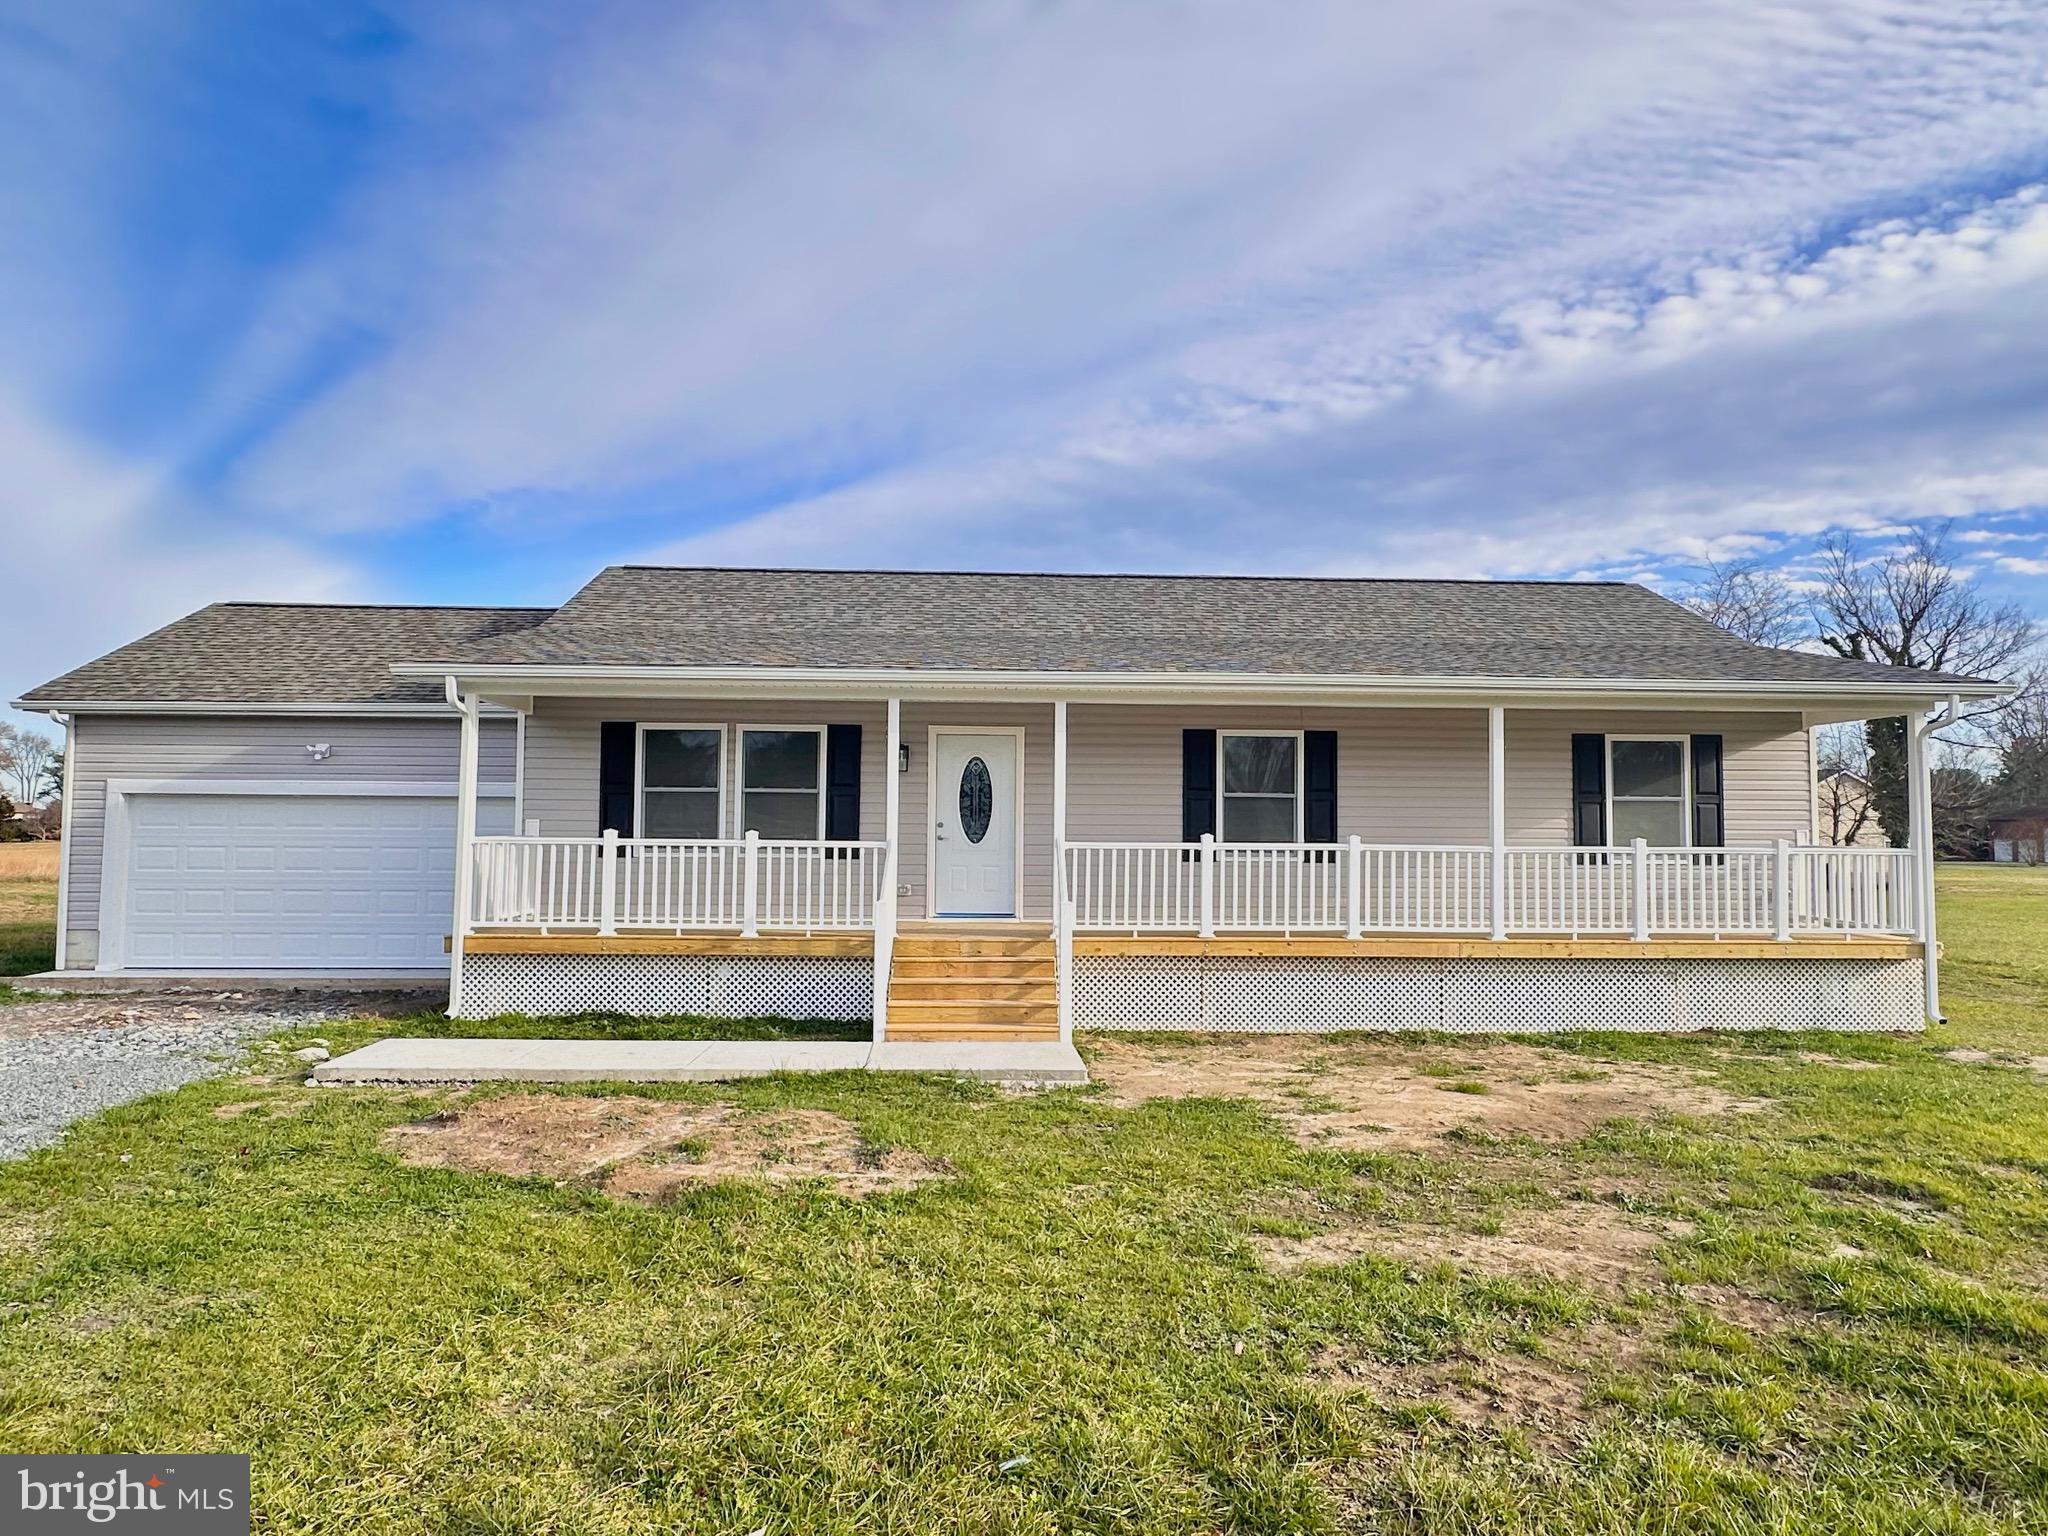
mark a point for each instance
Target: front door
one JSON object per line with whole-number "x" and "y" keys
{"x": 974, "y": 825}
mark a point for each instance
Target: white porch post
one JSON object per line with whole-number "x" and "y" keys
{"x": 1920, "y": 821}
{"x": 465, "y": 841}
{"x": 1497, "y": 817}
{"x": 1062, "y": 910}
{"x": 885, "y": 898}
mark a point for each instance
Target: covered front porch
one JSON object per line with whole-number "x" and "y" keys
{"x": 1007, "y": 868}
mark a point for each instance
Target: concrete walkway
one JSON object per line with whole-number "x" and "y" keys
{"x": 415, "y": 1060}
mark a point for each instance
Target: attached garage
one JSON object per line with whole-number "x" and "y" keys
{"x": 286, "y": 881}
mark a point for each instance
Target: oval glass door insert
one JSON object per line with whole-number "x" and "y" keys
{"x": 977, "y": 799}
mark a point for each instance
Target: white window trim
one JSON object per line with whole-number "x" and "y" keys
{"x": 1684, "y": 800}
{"x": 739, "y": 774}
{"x": 640, "y": 731}
{"x": 1300, "y": 741}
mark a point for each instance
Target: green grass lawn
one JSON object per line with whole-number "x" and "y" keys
{"x": 1842, "y": 1328}
{"x": 28, "y": 910}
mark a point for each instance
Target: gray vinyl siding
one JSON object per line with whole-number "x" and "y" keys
{"x": 1765, "y": 767}
{"x": 562, "y": 746}
{"x": 1419, "y": 775}
{"x": 242, "y": 747}
{"x": 1403, "y": 775}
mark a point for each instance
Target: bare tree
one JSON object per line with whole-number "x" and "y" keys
{"x": 1843, "y": 792}
{"x": 1751, "y": 600}
{"x": 2020, "y": 735}
{"x": 23, "y": 756}
{"x": 1910, "y": 607}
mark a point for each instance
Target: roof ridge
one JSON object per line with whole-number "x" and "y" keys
{"x": 852, "y": 570}
{"x": 261, "y": 602}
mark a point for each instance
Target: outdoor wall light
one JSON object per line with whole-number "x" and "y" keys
{"x": 903, "y": 757}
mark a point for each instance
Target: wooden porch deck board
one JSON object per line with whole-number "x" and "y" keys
{"x": 1412, "y": 946}
{"x": 506, "y": 942}
{"x": 973, "y": 953}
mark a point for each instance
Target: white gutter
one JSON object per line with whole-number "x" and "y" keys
{"x": 1264, "y": 685}
{"x": 342, "y": 708}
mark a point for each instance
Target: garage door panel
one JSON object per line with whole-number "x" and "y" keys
{"x": 205, "y": 902}
{"x": 292, "y": 881}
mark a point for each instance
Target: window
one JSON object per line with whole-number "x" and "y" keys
{"x": 680, "y": 782}
{"x": 782, "y": 777}
{"x": 1646, "y": 779}
{"x": 1260, "y": 776}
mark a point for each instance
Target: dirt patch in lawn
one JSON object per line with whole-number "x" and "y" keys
{"x": 278, "y": 1106}
{"x": 1591, "y": 1245}
{"x": 1552, "y": 1399}
{"x": 1377, "y": 1095}
{"x": 646, "y": 1150}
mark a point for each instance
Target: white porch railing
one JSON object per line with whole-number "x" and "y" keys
{"x": 1356, "y": 888}
{"x": 615, "y": 883}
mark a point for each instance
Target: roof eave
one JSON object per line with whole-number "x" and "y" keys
{"x": 359, "y": 708}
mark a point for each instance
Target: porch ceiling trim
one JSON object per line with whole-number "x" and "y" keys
{"x": 1849, "y": 700}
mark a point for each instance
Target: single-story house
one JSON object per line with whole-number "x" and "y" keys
{"x": 2020, "y": 836}
{"x": 1000, "y": 806}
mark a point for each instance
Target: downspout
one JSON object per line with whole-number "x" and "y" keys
{"x": 1923, "y": 834}
{"x": 465, "y": 837}
{"x": 64, "y": 838}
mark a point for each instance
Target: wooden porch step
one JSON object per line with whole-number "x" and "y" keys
{"x": 997, "y": 927}
{"x": 967, "y": 1030}
{"x": 912, "y": 989}
{"x": 926, "y": 947}
{"x": 977, "y": 1011}
{"x": 995, "y": 967}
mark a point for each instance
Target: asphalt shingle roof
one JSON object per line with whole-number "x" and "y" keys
{"x": 284, "y": 653}
{"x": 1215, "y": 625}
{"x": 663, "y": 616}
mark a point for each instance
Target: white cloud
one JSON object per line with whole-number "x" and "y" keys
{"x": 1867, "y": 386}
{"x": 789, "y": 243}
{"x": 1516, "y": 286}
{"x": 100, "y": 552}
{"x": 2022, "y": 565}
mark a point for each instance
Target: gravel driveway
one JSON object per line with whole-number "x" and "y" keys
{"x": 67, "y": 1058}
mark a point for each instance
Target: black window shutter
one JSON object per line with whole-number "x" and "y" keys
{"x": 842, "y": 783}
{"x": 1709, "y": 824}
{"x": 615, "y": 746}
{"x": 1589, "y": 790}
{"x": 1197, "y": 785}
{"x": 1319, "y": 784}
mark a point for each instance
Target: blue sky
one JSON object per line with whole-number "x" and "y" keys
{"x": 460, "y": 302}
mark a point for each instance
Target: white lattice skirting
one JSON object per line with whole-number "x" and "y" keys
{"x": 651, "y": 986}
{"x": 1511, "y": 996}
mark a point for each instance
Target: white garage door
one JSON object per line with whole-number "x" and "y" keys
{"x": 291, "y": 882}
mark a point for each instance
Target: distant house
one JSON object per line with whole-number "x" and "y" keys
{"x": 2021, "y": 836}
{"x": 1847, "y": 818}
